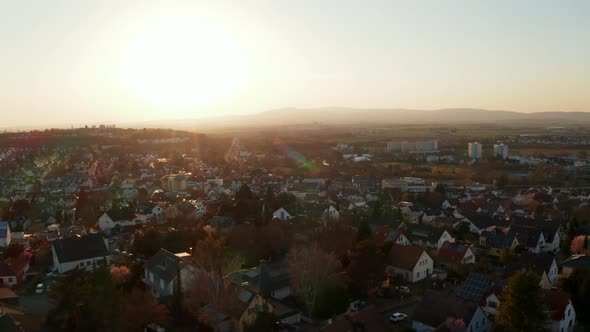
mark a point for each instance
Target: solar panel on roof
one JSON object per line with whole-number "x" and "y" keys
{"x": 475, "y": 287}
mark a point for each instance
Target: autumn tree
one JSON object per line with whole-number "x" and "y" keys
{"x": 311, "y": 268}
{"x": 523, "y": 307}
{"x": 505, "y": 256}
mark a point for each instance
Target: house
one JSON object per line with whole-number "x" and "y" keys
{"x": 479, "y": 223}
{"x": 532, "y": 238}
{"x": 437, "y": 307}
{"x": 550, "y": 231}
{"x": 161, "y": 273}
{"x": 79, "y": 251}
{"x": 410, "y": 262}
{"x": 282, "y": 214}
{"x": 330, "y": 214}
{"x": 452, "y": 256}
{"x": 496, "y": 241}
{"x": 255, "y": 303}
{"x": 478, "y": 287}
{"x": 13, "y": 269}
{"x": 269, "y": 279}
{"x": 562, "y": 314}
{"x": 428, "y": 236}
{"x": 384, "y": 234}
{"x": 5, "y": 235}
{"x": 544, "y": 265}
{"x": 573, "y": 262}
{"x": 119, "y": 218}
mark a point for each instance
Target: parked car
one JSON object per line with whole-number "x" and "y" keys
{"x": 397, "y": 317}
{"x": 403, "y": 289}
{"x": 40, "y": 289}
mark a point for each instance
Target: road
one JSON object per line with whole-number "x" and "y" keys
{"x": 36, "y": 304}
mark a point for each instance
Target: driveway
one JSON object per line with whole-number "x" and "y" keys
{"x": 36, "y": 304}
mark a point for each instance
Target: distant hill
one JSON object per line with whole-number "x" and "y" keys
{"x": 347, "y": 116}
{"x": 293, "y": 116}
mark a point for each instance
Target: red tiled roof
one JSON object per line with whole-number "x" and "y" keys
{"x": 451, "y": 253}
{"x": 405, "y": 257}
{"x": 557, "y": 302}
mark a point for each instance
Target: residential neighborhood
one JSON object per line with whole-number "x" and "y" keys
{"x": 180, "y": 235}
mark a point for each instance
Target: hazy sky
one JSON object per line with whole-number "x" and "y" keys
{"x": 79, "y": 61}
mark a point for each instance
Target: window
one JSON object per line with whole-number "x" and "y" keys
{"x": 569, "y": 311}
{"x": 571, "y": 322}
{"x": 417, "y": 274}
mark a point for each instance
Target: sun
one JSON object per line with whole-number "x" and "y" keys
{"x": 183, "y": 62}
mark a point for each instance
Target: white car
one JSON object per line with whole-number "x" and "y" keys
{"x": 403, "y": 289}
{"x": 397, "y": 317}
{"x": 40, "y": 289}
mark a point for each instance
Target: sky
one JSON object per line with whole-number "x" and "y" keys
{"x": 68, "y": 62}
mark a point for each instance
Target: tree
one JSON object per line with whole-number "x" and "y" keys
{"x": 364, "y": 232}
{"x": 522, "y": 307}
{"x": 366, "y": 269}
{"x": 310, "y": 268}
{"x": 505, "y": 256}
{"x": 578, "y": 285}
{"x": 264, "y": 322}
{"x": 579, "y": 244}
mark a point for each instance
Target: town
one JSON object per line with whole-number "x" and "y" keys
{"x": 296, "y": 228}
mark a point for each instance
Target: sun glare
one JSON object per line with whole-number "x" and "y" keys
{"x": 183, "y": 62}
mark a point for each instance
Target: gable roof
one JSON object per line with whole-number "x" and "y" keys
{"x": 499, "y": 240}
{"x": 451, "y": 253}
{"x": 475, "y": 287}
{"x": 577, "y": 261}
{"x": 527, "y": 236}
{"x": 557, "y": 302}
{"x": 538, "y": 263}
{"x": 75, "y": 248}
{"x": 163, "y": 264}
{"x": 405, "y": 257}
{"x": 423, "y": 232}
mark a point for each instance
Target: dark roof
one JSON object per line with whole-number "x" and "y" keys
{"x": 557, "y": 302}
{"x": 436, "y": 307}
{"x": 527, "y": 236}
{"x": 273, "y": 275}
{"x": 538, "y": 263}
{"x": 423, "y": 232}
{"x": 577, "y": 261}
{"x": 117, "y": 214}
{"x": 499, "y": 240}
{"x": 475, "y": 287}
{"x": 163, "y": 264}
{"x": 405, "y": 257}
{"x": 75, "y": 248}
{"x": 548, "y": 228}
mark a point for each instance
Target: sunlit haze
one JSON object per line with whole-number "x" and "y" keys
{"x": 72, "y": 62}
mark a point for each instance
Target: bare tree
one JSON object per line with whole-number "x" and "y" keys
{"x": 310, "y": 268}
